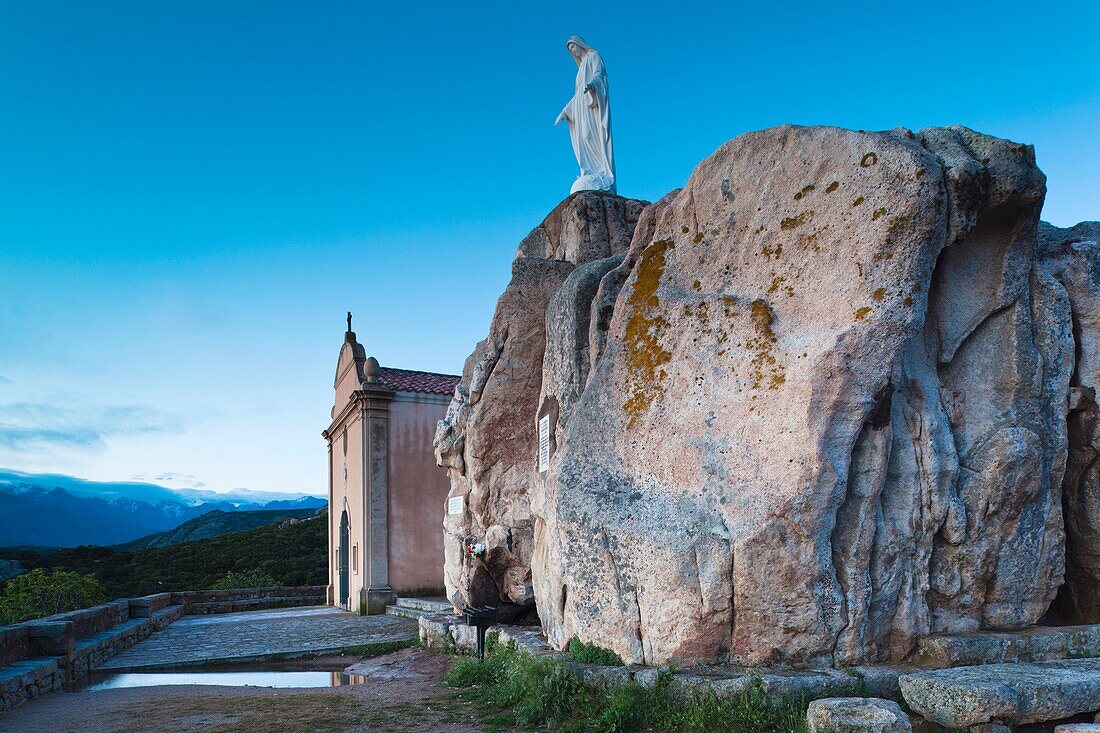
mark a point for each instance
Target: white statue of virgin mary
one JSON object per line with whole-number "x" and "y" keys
{"x": 589, "y": 116}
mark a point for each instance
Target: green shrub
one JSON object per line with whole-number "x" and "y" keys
{"x": 247, "y": 579}
{"x": 38, "y": 593}
{"x": 592, "y": 654}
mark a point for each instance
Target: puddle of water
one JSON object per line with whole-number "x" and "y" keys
{"x": 312, "y": 678}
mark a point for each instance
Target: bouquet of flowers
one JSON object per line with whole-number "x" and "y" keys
{"x": 475, "y": 548}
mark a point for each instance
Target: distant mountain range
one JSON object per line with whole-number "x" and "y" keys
{"x": 214, "y": 524}
{"x": 46, "y": 510}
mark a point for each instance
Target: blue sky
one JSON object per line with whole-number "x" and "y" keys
{"x": 193, "y": 193}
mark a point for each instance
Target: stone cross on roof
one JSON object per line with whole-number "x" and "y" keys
{"x": 349, "y": 321}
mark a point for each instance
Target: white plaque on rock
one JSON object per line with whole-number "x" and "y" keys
{"x": 456, "y": 505}
{"x": 544, "y": 443}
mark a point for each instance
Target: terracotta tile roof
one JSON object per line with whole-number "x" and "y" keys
{"x": 407, "y": 380}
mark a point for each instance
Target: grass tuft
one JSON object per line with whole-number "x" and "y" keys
{"x": 512, "y": 688}
{"x": 592, "y": 654}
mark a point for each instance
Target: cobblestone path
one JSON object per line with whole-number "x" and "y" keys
{"x": 256, "y": 634}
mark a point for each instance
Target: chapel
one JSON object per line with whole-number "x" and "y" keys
{"x": 386, "y": 495}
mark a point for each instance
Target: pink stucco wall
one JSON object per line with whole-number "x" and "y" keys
{"x": 417, "y": 496}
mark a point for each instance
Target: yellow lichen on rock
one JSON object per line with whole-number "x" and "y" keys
{"x": 766, "y": 371}
{"x": 644, "y": 354}
{"x": 796, "y": 221}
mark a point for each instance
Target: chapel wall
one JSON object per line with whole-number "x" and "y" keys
{"x": 417, "y": 494}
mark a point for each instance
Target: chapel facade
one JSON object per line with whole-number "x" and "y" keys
{"x": 386, "y": 495}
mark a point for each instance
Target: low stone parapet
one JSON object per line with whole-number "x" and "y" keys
{"x": 50, "y": 638}
{"x": 146, "y": 606}
{"x": 14, "y": 644}
{"x": 198, "y": 602}
{"x": 27, "y": 678}
{"x": 41, "y": 655}
{"x": 445, "y": 632}
{"x": 88, "y": 621}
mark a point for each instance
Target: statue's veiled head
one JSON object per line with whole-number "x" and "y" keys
{"x": 577, "y": 48}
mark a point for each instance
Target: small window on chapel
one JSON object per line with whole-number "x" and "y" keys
{"x": 355, "y": 558}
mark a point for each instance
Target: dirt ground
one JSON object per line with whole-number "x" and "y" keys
{"x": 401, "y": 692}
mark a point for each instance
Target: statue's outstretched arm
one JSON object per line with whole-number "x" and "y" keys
{"x": 564, "y": 115}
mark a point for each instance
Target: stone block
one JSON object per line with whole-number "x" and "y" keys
{"x": 687, "y": 686}
{"x": 525, "y": 639}
{"x": 597, "y": 676}
{"x": 1021, "y": 692}
{"x": 809, "y": 685}
{"x": 463, "y": 636}
{"x": 1041, "y": 644}
{"x": 435, "y": 630}
{"x": 146, "y": 606}
{"x": 856, "y": 715}
{"x": 50, "y": 638}
{"x": 1083, "y": 641}
{"x": 963, "y": 649}
{"x": 647, "y": 677}
{"x": 881, "y": 681}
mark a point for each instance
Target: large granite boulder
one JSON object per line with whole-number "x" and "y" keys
{"x": 487, "y": 441}
{"x": 817, "y": 410}
{"x": 1072, "y": 258}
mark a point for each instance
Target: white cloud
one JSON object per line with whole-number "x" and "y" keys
{"x": 36, "y": 427}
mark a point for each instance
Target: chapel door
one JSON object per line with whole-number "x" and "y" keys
{"x": 345, "y": 538}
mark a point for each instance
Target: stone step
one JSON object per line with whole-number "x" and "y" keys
{"x": 166, "y": 616}
{"x": 1015, "y": 693}
{"x": 406, "y": 612}
{"x": 1033, "y": 644}
{"x": 431, "y": 605}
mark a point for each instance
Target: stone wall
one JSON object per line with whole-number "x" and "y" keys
{"x": 29, "y": 680}
{"x": 43, "y": 654}
{"x": 196, "y": 602}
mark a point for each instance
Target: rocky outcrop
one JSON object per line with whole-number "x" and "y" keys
{"x": 488, "y": 440}
{"x": 1071, "y": 258}
{"x": 816, "y": 411}
{"x": 834, "y": 396}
